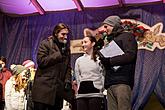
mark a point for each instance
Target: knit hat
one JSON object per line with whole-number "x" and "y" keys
{"x": 112, "y": 21}
{"x": 17, "y": 69}
{"x": 28, "y": 64}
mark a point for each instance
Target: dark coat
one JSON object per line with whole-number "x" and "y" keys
{"x": 125, "y": 74}
{"x": 52, "y": 72}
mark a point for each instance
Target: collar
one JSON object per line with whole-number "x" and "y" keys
{"x": 4, "y": 69}
{"x": 86, "y": 55}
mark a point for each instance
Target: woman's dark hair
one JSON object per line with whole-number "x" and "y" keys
{"x": 58, "y": 28}
{"x": 93, "y": 39}
{"x": 2, "y": 58}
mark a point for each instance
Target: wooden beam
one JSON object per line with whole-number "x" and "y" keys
{"x": 38, "y": 7}
{"x": 79, "y": 5}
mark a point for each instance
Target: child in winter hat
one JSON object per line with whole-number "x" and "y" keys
{"x": 15, "y": 88}
{"x": 17, "y": 69}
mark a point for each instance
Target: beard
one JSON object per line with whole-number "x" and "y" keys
{"x": 64, "y": 41}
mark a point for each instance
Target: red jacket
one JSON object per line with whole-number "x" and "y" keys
{"x": 5, "y": 74}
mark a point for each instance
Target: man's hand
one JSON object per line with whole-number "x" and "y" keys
{"x": 105, "y": 61}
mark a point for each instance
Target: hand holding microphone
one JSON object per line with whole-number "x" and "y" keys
{"x": 104, "y": 35}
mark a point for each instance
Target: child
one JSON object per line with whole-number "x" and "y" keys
{"x": 15, "y": 88}
{"x": 89, "y": 77}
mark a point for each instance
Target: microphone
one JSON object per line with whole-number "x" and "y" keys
{"x": 104, "y": 34}
{"x": 64, "y": 46}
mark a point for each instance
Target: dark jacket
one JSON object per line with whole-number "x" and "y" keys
{"x": 125, "y": 74}
{"x": 52, "y": 72}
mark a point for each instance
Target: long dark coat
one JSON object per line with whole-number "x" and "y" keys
{"x": 53, "y": 70}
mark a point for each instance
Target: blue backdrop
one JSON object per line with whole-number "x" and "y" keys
{"x": 20, "y": 36}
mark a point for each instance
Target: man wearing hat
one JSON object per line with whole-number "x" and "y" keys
{"x": 119, "y": 82}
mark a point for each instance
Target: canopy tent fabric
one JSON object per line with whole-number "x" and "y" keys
{"x": 21, "y": 7}
{"x": 20, "y": 37}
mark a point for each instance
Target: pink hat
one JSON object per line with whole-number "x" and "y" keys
{"x": 28, "y": 64}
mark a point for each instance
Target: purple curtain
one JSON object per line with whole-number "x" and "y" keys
{"x": 1, "y": 25}
{"x": 150, "y": 69}
{"x": 149, "y": 76}
{"x": 20, "y": 36}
